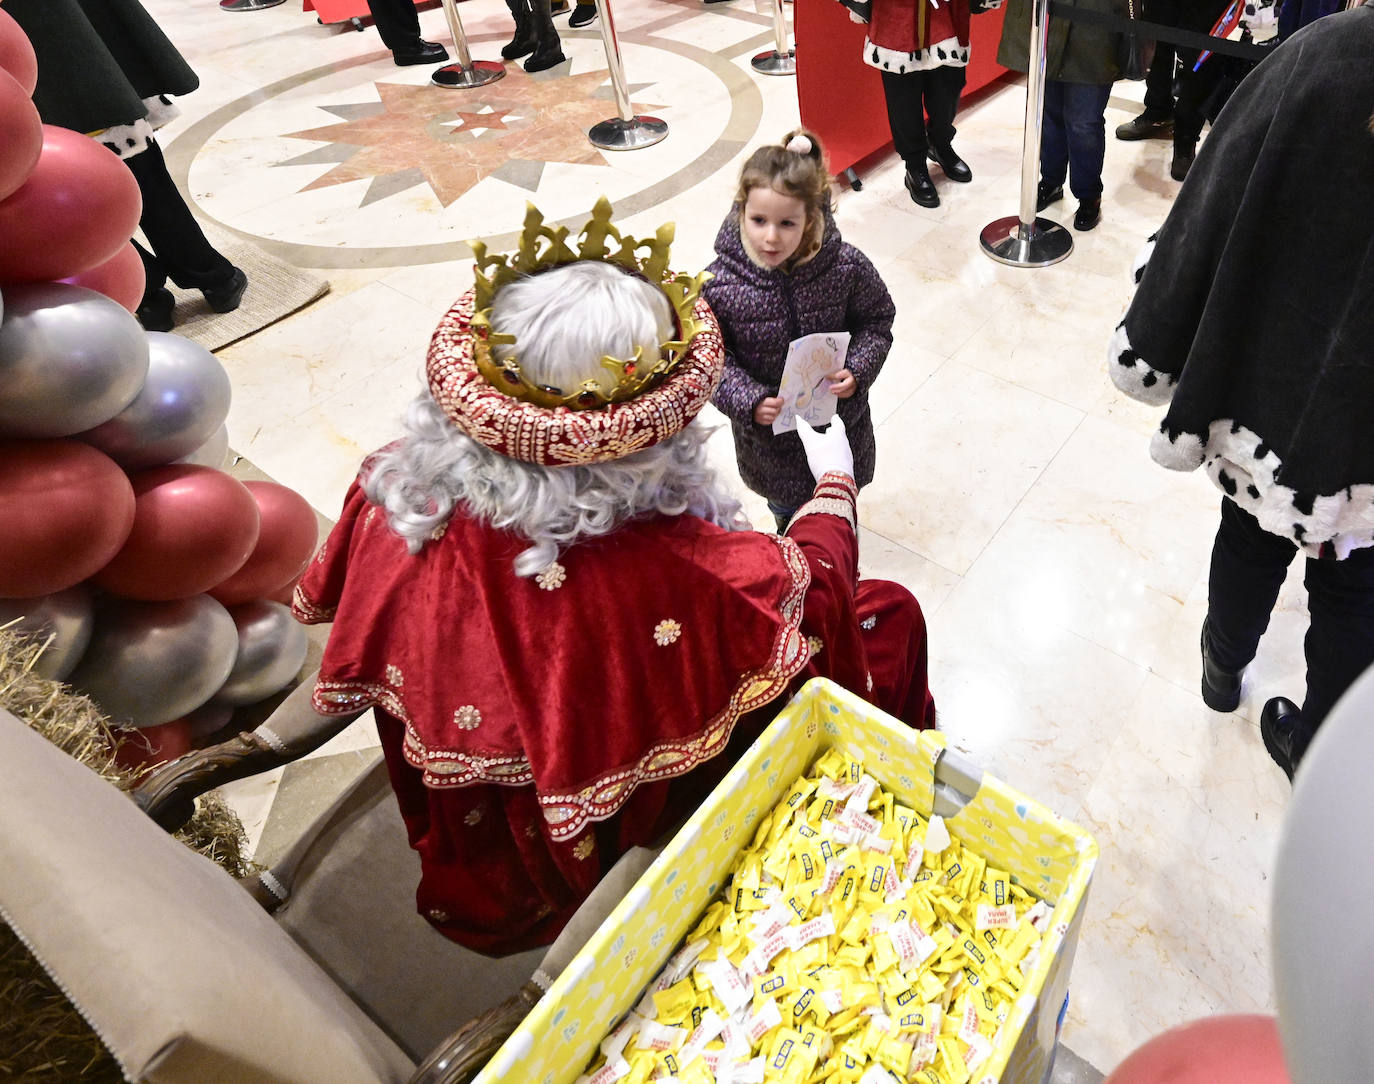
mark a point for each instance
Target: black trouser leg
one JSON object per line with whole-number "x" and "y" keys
{"x": 906, "y": 116}
{"x": 1159, "y": 81}
{"x": 182, "y": 251}
{"x": 1248, "y": 568}
{"x": 1195, "y": 87}
{"x": 1340, "y": 639}
{"x": 397, "y": 22}
{"x": 942, "y": 87}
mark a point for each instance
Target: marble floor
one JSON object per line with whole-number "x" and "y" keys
{"x": 1063, "y": 574}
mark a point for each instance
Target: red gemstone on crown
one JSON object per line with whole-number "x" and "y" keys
{"x": 511, "y": 376}
{"x": 586, "y": 399}
{"x": 629, "y": 368}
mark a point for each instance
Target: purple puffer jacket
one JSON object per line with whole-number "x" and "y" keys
{"x": 762, "y": 310}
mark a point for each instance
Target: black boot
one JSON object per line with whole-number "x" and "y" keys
{"x": 548, "y": 50}
{"x": 1286, "y": 735}
{"x": 1220, "y": 688}
{"x": 523, "y": 43}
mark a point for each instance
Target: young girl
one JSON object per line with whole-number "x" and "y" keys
{"x": 781, "y": 272}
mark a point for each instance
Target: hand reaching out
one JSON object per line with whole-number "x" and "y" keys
{"x": 828, "y": 451}
{"x": 768, "y": 409}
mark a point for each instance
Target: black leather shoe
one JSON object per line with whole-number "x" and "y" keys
{"x": 1088, "y": 215}
{"x": 155, "y": 311}
{"x": 1220, "y": 688}
{"x": 422, "y": 52}
{"x": 921, "y": 187}
{"x": 226, "y": 298}
{"x": 1182, "y": 163}
{"x": 1146, "y": 126}
{"x": 956, "y": 169}
{"x": 1285, "y": 734}
{"x": 583, "y": 15}
{"x": 1045, "y": 195}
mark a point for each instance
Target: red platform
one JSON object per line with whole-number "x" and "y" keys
{"x": 340, "y": 11}
{"x": 841, "y": 97}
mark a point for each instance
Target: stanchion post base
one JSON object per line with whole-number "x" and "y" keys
{"x": 248, "y": 5}
{"x": 457, "y": 77}
{"x": 1046, "y": 242}
{"x": 776, "y": 63}
{"x": 627, "y": 135}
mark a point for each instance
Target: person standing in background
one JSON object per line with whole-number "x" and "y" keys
{"x": 1258, "y": 339}
{"x": 1080, "y": 68}
{"x": 106, "y": 68}
{"x": 398, "y": 25}
{"x": 922, "y": 51}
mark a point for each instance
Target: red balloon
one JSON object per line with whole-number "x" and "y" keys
{"x": 193, "y": 528}
{"x": 65, "y": 510}
{"x": 285, "y": 546}
{"x": 16, "y": 54}
{"x": 120, "y": 278}
{"x": 78, "y": 208}
{"x": 21, "y": 135}
{"x": 138, "y": 750}
{"x": 1240, "y": 1049}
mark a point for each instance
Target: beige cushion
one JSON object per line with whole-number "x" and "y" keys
{"x": 352, "y": 879}
{"x": 182, "y": 975}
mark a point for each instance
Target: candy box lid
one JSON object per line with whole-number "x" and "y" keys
{"x": 1047, "y": 855}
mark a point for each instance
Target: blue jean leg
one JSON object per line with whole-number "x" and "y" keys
{"x": 1073, "y": 136}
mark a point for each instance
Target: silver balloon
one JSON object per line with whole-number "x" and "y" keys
{"x": 151, "y": 662}
{"x": 63, "y": 615}
{"x": 212, "y": 453}
{"x": 1323, "y": 953}
{"x": 184, "y": 399}
{"x": 272, "y": 647}
{"x": 70, "y": 359}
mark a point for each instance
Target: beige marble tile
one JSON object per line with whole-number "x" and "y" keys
{"x": 1034, "y": 703}
{"x": 1186, "y": 810}
{"x": 1106, "y": 544}
{"x": 956, "y": 458}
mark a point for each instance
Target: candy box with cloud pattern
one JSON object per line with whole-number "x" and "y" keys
{"x": 1048, "y": 856}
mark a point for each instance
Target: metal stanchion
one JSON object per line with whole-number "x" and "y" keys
{"x": 467, "y": 72}
{"x": 780, "y": 60}
{"x": 1024, "y": 240}
{"x": 625, "y": 132}
{"x": 248, "y": 5}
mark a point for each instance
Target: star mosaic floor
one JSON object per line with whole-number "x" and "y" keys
{"x": 1062, "y": 573}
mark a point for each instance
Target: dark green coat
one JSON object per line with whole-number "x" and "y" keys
{"x": 98, "y": 60}
{"x": 1078, "y": 53}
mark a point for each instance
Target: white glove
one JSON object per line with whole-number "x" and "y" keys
{"x": 828, "y": 451}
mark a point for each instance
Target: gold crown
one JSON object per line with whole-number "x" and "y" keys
{"x": 543, "y": 247}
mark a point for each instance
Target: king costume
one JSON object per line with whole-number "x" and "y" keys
{"x": 536, "y": 728}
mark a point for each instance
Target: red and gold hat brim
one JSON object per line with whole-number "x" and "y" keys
{"x": 558, "y": 436}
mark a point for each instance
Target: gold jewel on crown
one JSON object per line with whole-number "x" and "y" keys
{"x": 543, "y": 247}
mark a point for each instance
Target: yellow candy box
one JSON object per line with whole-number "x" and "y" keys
{"x": 1015, "y": 847}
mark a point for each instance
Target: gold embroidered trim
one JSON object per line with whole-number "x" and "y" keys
{"x": 569, "y": 813}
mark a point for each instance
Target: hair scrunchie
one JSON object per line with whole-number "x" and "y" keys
{"x": 799, "y": 144}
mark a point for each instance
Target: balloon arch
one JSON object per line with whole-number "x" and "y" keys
{"x": 158, "y": 579}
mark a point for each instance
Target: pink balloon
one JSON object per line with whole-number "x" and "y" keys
{"x": 78, "y": 208}
{"x": 285, "y": 545}
{"x": 119, "y": 278}
{"x": 1241, "y": 1049}
{"x": 139, "y": 750}
{"x": 65, "y": 510}
{"x": 21, "y": 135}
{"x": 16, "y": 54}
{"x": 193, "y": 528}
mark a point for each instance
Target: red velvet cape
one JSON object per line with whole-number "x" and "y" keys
{"x": 536, "y": 728}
